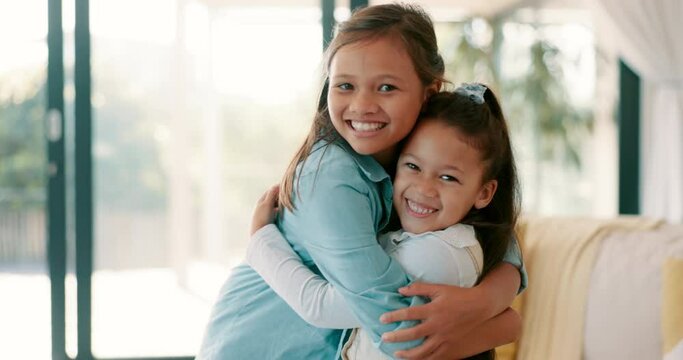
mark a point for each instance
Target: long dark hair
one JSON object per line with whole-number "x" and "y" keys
{"x": 407, "y": 22}
{"x": 478, "y": 116}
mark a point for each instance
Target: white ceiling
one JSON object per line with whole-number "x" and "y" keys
{"x": 483, "y": 8}
{"x": 439, "y": 9}
{"x": 486, "y": 8}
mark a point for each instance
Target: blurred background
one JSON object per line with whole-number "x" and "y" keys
{"x": 135, "y": 137}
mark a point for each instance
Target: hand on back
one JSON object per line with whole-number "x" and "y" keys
{"x": 266, "y": 209}
{"x": 452, "y": 312}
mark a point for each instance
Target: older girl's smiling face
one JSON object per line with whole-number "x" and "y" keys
{"x": 438, "y": 178}
{"x": 375, "y": 95}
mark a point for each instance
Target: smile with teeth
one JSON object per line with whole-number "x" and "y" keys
{"x": 419, "y": 209}
{"x": 364, "y": 126}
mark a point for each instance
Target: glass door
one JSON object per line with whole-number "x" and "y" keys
{"x": 122, "y": 212}
{"x": 197, "y": 106}
{"x": 24, "y": 279}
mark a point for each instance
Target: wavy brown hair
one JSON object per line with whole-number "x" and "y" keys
{"x": 412, "y": 26}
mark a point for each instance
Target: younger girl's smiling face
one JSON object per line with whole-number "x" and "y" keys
{"x": 375, "y": 95}
{"x": 438, "y": 178}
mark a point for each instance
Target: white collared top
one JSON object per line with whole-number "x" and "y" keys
{"x": 451, "y": 256}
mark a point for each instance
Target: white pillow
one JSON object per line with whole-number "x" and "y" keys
{"x": 676, "y": 353}
{"x": 624, "y": 301}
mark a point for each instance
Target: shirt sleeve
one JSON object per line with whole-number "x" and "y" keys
{"x": 308, "y": 294}
{"x": 344, "y": 213}
{"x": 514, "y": 256}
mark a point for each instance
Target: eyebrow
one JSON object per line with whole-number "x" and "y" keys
{"x": 452, "y": 167}
{"x": 381, "y": 76}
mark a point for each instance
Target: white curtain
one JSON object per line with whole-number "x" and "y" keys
{"x": 651, "y": 41}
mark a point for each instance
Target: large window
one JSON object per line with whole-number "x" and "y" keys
{"x": 24, "y": 283}
{"x": 197, "y": 108}
{"x": 544, "y": 66}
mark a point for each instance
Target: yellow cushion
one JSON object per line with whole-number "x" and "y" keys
{"x": 509, "y": 351}
{"x": 672, "y": 305}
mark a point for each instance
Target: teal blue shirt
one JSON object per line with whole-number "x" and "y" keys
{"x": 343, "y": 201}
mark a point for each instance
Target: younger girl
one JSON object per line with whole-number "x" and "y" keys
{"x": 455, "y": 178}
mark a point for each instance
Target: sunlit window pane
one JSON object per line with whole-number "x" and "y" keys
{"x": 542, "y": 63}
{"x": 24, "y": 283}
{"x": 198, "y": 106}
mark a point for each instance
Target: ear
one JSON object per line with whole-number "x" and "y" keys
{"x": 486, "y": 194}
{"x": 431, "y": 89}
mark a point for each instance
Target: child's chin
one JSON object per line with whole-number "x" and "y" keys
{"x": 411, "y": 227}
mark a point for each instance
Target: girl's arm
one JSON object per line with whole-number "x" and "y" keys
{"x": 513, "y": 256}
{"x": 456, "y": 313}
{"x": 308, "y": 294}
{"x": 502, "y": 329}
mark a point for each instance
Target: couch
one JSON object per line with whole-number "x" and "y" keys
{"x": 600, "y": 289}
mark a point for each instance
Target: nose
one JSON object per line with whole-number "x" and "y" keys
{"x": 426, "y": 187}
{"x": 363, "y": 103}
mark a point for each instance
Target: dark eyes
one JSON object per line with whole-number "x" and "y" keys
{"x": 412, "y": 166}
{"x": 447, "y": 178}
{"x": 386, "y": 87}
{"x": 382, "y": 88}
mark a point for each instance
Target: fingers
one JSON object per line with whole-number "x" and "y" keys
{"x": 271, "y": 195}
{"x": 408, "y": 313}
{"x": 421, "y": 289}
{"x": 428, "y": 347}
{"x": 266, "y": 209}
{"x": 413, "y": 333}
{"x": 441, "y": 352}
